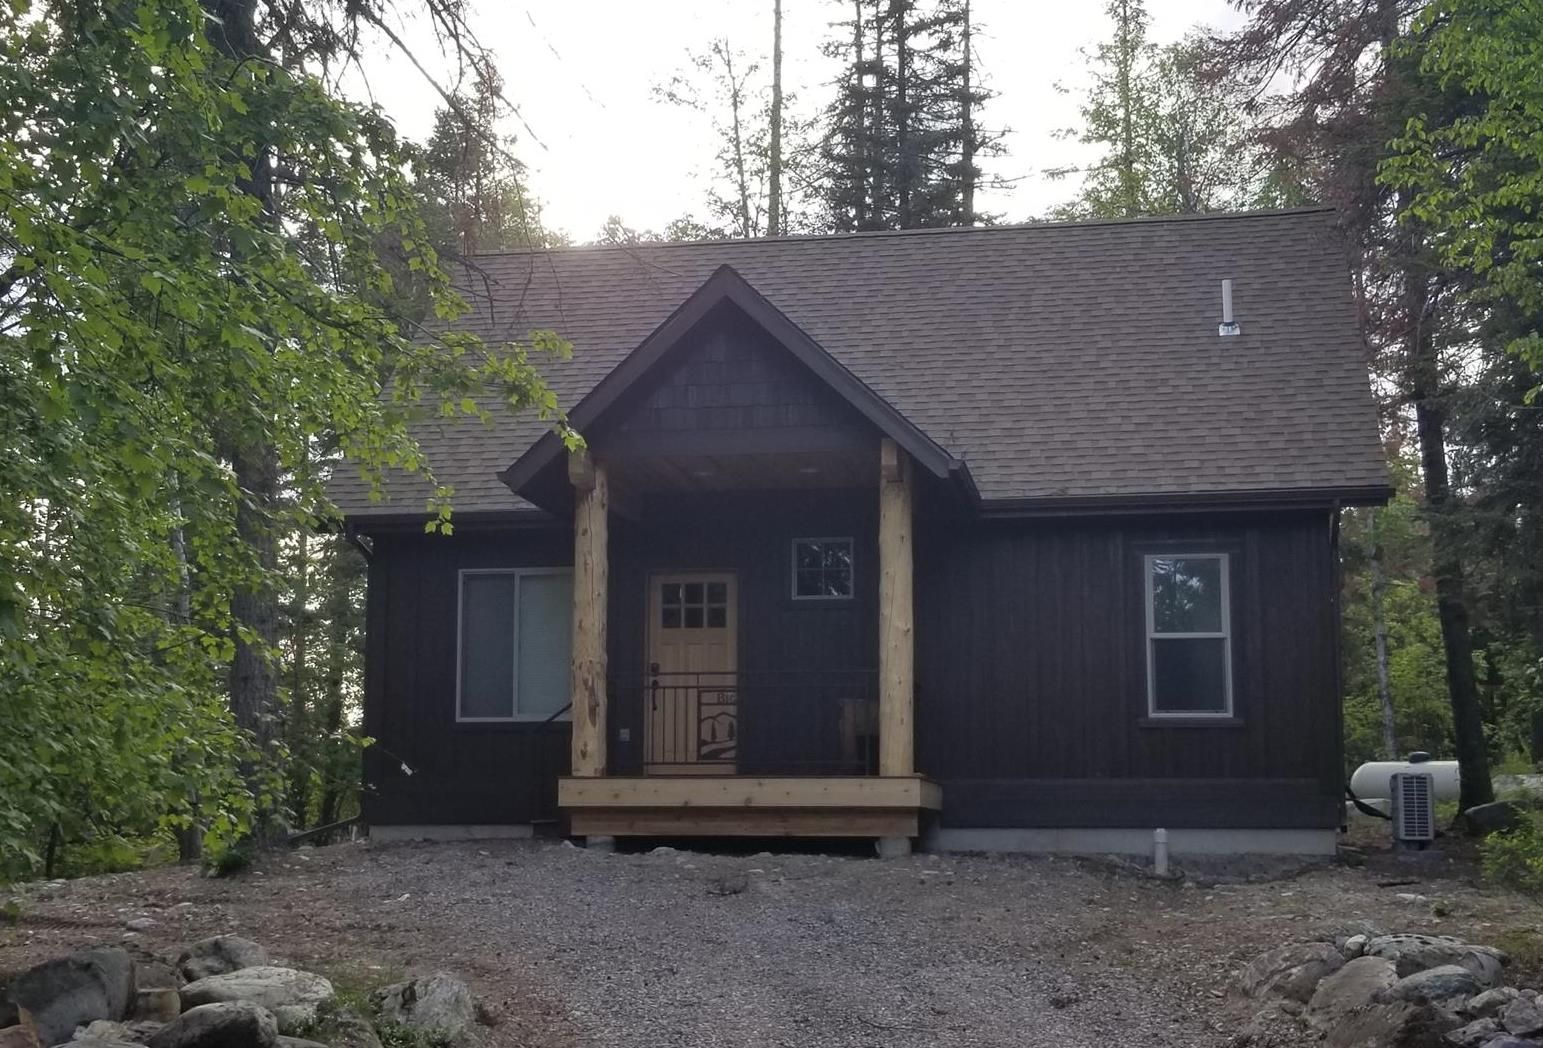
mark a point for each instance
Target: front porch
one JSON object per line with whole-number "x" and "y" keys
{"x": 681, "y": 728}
{"x": 742, "y": 641}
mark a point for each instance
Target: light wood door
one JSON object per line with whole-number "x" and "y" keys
{"x": 691, "y": 700}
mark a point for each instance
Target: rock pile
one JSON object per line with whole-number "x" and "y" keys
{"x": 1391, "y": 991}
{"x": 222, "y": 992}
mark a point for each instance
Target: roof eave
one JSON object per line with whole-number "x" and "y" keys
{"x": 1188, "y": 502}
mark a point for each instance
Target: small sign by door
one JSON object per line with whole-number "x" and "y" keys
{"x": 691, "y": 696}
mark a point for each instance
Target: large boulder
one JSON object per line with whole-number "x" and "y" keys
{"x": 157, "y": 1006}
{"x": 1447, "y": 986}
{"x": 1416, "y": 953}
{"x": 105, "y": 1033}
{"x": 1523, "y": 1017}
{"x": 226, "y": 1024}
{"x": 1396, "y": 1024}
{"x": 1490, "y": 1002}
{"x": 438, "y": 1005}
{"x": 349, "y": 1029}
{"x": 69, "y": 992}
{"x": 1354, "y": 988}
{"x": 218, "y": 955}
{"x": 21, "y": 1035}
{"x": 1494, "y": 817}
{"x": 292, "y": 996}
{"x": 1292, "y": 971}
{"x": 1475, "y": 1035}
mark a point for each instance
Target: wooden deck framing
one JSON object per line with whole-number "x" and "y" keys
{"x": 742, "y": 806}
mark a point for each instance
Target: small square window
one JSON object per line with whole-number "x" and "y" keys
{"x": 822, "y": 569}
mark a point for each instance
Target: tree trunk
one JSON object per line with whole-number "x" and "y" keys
{"x": 1447, "y": 563}
{"x": 1380, "y": 636}
{"x": 905, "y": 174}
{"x": 190, "y": 839}
{"x": 774, "y": 158}
{"x": 255, "y": 462}
{"x": 1127, "y": 89}
{"x": 254, "y": 607}
{"x": 741, "y": 178}
{"x": 298, "y": 713}
{"x": 967, "y": 131}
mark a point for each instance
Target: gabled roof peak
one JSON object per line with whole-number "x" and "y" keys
{"x": 726, "y": 285}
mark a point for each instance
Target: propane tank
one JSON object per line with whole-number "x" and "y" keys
{"x": 1373, "y": 781}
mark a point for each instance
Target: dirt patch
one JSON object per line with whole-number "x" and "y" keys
{"x": 567, "y": 947}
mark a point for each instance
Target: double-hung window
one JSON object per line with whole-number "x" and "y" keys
{"x": 1189, "y": 636}
{"x": 513, "y": 644}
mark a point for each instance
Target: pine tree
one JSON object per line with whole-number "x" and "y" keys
{"x": 1171, "y": 137}
{"x": 473, "y": 184}
{"x": 902, "y": 137}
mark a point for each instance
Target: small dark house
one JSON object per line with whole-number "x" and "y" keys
{"x": 1001, "y": 538}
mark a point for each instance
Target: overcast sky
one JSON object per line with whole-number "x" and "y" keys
{"x": 599, "y": 143}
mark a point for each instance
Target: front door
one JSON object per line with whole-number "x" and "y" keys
{"x": 691, "y": 701}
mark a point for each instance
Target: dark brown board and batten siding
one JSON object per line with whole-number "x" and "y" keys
{"x": 476, "y": 773}
{"x": 1031, "y": 688}
{"x": 1031, "y": 676}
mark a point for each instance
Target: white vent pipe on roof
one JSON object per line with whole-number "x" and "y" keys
{"x": 1228, "y": 326}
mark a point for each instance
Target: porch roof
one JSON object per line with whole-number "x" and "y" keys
{"x": 1068, "y": 365}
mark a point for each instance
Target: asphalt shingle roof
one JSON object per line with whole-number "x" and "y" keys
{"x": 1058, "y": 361}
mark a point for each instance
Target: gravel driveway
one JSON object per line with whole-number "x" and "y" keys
{"x": 568, "y": 947}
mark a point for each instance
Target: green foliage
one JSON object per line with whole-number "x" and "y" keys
{"x": 903, "y": 136}
{"x": 1172, "y": 139}
{"x": 1485, "y": 212}
{"x": 1515, "y": 857}
{"x": 190, "y": 265}
{"x": 229, "y": 859}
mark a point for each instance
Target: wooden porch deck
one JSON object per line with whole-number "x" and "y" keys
{"x": 746, "y": 806}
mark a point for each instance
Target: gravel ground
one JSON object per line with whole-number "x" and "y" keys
{"x": 568, "y": 947}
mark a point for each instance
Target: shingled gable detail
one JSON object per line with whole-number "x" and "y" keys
{"x": 727, "y": 286}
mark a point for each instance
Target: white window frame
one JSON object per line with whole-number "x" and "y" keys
{"x": 793, "y": 568}
{"x": 1224, "y": 635}
{"x": 516, "y": 716}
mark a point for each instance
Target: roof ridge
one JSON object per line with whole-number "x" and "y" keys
{"x": 877, "y": 234}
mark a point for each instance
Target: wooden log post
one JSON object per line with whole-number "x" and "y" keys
{"x": 897, "y": 657}
{"x": 587, "y": 676}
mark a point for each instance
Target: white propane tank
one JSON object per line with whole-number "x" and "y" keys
{"x": 1373, "y": 781}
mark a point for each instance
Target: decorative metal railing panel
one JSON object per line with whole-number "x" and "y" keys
{"x": 801, "y": 723}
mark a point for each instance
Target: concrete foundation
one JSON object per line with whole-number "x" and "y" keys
{"x": 1132, "y": 841}
{"x": 388, "y": 834}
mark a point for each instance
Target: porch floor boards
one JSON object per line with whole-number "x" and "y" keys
{"x": 745, "y": 806}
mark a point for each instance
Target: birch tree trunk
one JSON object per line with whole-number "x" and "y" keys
{"x": 774, "y": 151}
{"x": 1380, "y": 637}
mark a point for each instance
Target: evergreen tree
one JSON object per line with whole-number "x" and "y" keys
{"x": 902, "y": 138}
{"x": 1357, "y": 91}
{"x": 1171, "y": 137}
{"x": 472, "y": 183}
